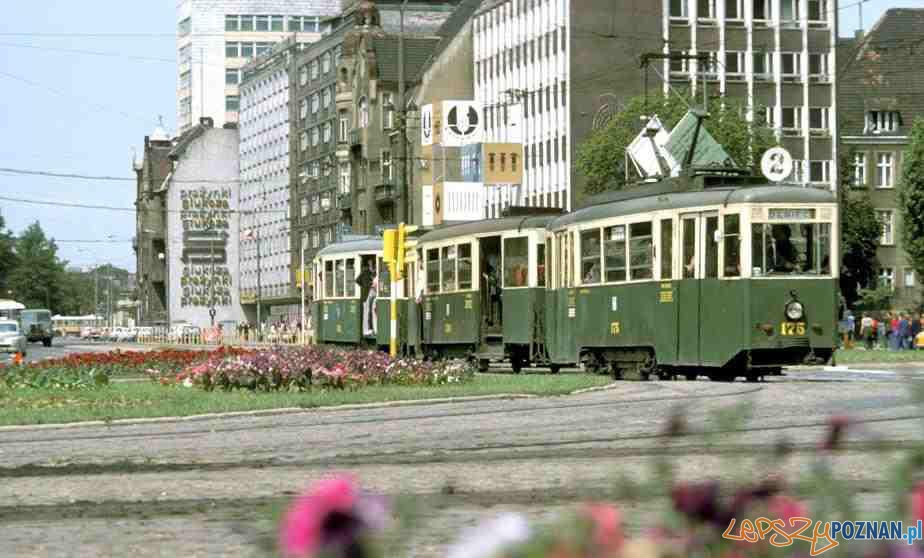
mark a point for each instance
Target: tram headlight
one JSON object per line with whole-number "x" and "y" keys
{"x": 795, "y": 310}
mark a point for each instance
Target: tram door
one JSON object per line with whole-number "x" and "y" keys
{"x": 699, "y": 277}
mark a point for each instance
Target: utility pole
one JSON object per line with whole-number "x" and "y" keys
{"x": 402, "y": 127}
{"x": 259, "y": 286}
{"x": 212, "y": 279}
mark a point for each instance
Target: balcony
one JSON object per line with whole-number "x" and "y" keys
{"x": 345, "y": 201}
{"x": 386, "y": 194}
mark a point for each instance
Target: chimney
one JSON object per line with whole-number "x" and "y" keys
{"x": 207, "y": 122}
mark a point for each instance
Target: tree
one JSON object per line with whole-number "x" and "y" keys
{"x": 601, "y": 157}
{"x": 7, "y": 257}
{"x": 911, "y": 197}
{"x": 36, "y": 280}
{"x": 860, "y": 233}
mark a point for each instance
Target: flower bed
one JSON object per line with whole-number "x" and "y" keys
{"x": 304, "y": 368}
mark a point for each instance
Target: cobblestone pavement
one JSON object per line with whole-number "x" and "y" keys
{"x": 209, "y": 487}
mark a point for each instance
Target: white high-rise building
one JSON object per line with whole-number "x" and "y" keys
{"x": 216, "y": 38}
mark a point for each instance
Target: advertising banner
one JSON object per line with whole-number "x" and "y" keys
{"x": 462, "y": 123}
{"x": 503, "y": 163}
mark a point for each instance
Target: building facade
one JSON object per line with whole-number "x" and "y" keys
{"x": 150, "y": 238}
{"x": 881, "y": 94}
{"x": 265, "y": 265}
{"x": 203, "y": 225}
{"x": 549, "y": 71}
{"x": 344, "y": 97}
{"x": 216, "y": 38}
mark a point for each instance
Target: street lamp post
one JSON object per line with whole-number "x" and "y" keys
{"x": 212, "y": 279}
{"x": 402, "y": 116}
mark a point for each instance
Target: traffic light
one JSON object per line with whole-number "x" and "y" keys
{"x": 390, "y": 246}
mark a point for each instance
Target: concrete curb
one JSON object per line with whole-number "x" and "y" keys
{"x": 269, "y": 412}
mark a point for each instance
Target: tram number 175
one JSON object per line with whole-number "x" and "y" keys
{"x": 792, "y": 328}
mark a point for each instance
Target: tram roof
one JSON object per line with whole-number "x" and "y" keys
{"x": 366, "y": 244}
{"x": 661, "y": 196}
{"x": 487, "y": 226}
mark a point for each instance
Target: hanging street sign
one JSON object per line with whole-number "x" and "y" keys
{"x": 776, "y": 164}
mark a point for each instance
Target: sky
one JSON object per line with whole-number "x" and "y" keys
{"x": 84, "y": 112}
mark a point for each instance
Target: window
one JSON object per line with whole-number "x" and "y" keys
{"x": 885, "y": 172}
{"x": 387, "y": 174}
{"x": 818, "y": 118}
{"x": 761, "y": 9}
{"x": 540, "y": 264}
{"x": 313, "y": 69}
{"x": 465, "y": 266}
{"x": 232, "y": 23}
{"x": 350, "y": 277}
{"x": 887, "y": 277}
{"x": 304, "y": 207}
{"x": 344, "y": 178}
{"x": 734, "y": 64}
{"x": 679, "y": 8}
{"x": 590, "y": 257}
{"x": 732, "y": 246}
{"x": 712, "y": 247}
{"x": 887, "y": 219}
{"x": 763, "y": 65}
{"x": 791, "y": 248}
{"x": 232, "y": 77}
{"x": 326, "y": 97}
{"x": 315, "y": 103}
{"x": 329, "y": 279}
{"x": 688, "y": 253}
{"x": 344, "y": 127}
{"x": 315, "y": 136}
{"x": 516, "y": 262}
{"x": 818, "y": 65}
{"x": 791, "y": 63}
{"x": 820, "y": 171}
{"x": 232, "y": 103}
{"x": 641, "y": 244}
{"x": 263, "y": 48}
{"x": 792, "y": 118}
{"x": 262, "y": 23}
{"x": 276, "y": 23}
{"x": 859, "y": 170}
{"x": 818, "y": 10}
{"x": 232, "y": 50}
{"x": 338, "y": 278}
{"x": 908, "y": 279}
{"x": 615, "y": 252}
{"x": 326, "y": 134}
{"x": 303, "y": 109}
{"x": 448, "y": 264}
{"x": 325, "y": 201}
{"x": 363, "y": 112}
{"x": 734, "y": 9}
{"x": 246, "y": 50}
{"x": 789, "y": 10}
{"x": 388, "y": 111}
{"x": 667, "y": 249}
{"x": 878, "y": 121}
{"x": 384, "y": 280}
{"x": 433, "y": 270}
{"x": 325, "y": 62}
{"x": 246, "y": 23}
{"x": 705, "y": 9}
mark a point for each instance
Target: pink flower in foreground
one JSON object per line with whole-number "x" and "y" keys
{"x": 785, "y": 508}
{"x": 917, "y": 502}
{"x": 607, "y": 526}
{"x": 330, "y": 517}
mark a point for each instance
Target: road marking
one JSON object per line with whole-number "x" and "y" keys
{"x": 856, "y": 371}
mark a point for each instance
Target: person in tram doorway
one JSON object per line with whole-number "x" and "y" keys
{"x": 367, "y": 296}
{"x": 492, "y": 290}
{"x": 785, "y": 255}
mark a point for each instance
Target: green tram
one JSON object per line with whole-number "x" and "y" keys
{"x": 718, "y": 275}
{"x": 352, "y": 290}
{"x": 484, "y": 291}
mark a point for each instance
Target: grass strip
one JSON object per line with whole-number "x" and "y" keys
{"x": 147, "y": 399}
{"x": 855, "y": 355}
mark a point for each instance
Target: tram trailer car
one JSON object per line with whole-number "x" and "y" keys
{"x": 485, "y": 291}
{"x": 339, "y": 304}
{"x": 720, "y": 276}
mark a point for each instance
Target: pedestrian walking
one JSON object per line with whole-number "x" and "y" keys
{"x": 904, "y": 332}
{"x": 895, "y": 342}
{"x": 867, "y": 329}
{"x": 851, "y": 329}
{"x": 882, "y": 332}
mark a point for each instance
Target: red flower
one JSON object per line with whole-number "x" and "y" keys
{"x": 917, "y": 502}
{"x": 786, "y": 508}
{"x": 607, "y": 526}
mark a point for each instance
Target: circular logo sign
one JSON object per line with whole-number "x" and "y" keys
{"x": 463, "y": 123}
{"x": 437, "y": 204}
{"x": 776, "y": 164}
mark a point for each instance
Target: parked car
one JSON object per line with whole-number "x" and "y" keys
{"x": 126, "y": 335}
{"x": 12, "y": 339}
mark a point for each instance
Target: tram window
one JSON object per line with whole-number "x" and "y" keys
{"x": 688, "y": 256}
{"x": 449, "y": 268}
{"x": 350, "y": 283}
{"x": 433, "y": 270}
{"x": 465, "y": 266}
{"x": 667, "y": 248}
{"x": 640, "y": 250}
{"x": 329, "y": 279}
{"x": 590, "y": 257}
{"x": 823, "y": 248}
{"x": 516, "y": 262}
{"x": 615, "y": 253}
{"x": 540, "y": 264}
{"x": 732, "y": 246}
{"x": 338, "y": 279}
{"x": 384, "y": 289}
{"x": 791, "y": 248}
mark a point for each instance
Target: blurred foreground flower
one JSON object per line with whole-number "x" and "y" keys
{"x": 491, "y": 538}
{"x": 335, "y": 518}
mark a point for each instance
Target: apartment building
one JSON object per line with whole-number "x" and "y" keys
{"x": 881, "y": 95}
{"x": 216, "y": 38}
{"x": 547, "y": 71}
{"x": 265, "y": 263}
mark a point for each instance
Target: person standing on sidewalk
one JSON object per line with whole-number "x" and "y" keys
{"x": 867, "y": 328}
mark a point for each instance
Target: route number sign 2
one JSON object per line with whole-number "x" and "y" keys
{"x": 776, "y": 164}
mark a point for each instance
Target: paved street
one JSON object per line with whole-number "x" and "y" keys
{"x": 208, "y": 488}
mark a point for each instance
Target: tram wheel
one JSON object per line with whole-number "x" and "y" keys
{"x": 517, "y": 364}
{"x": 555, "y": 368}
{"x": 484, "y": 364}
